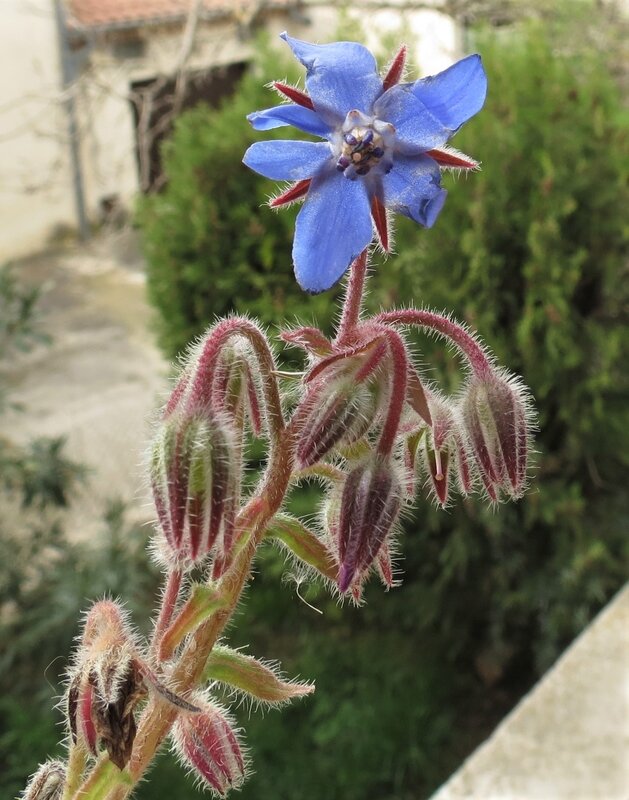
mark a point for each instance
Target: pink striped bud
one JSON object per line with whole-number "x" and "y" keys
{"x": 340, "y": 413}
{"x": 237, "y": 385}
{"x": 369, "y": 507}
{"x": 497, "y": 415}
{"x": 195, "y": 484}
{"x": 208, "y": 744}
{"x": 47, "y": 783}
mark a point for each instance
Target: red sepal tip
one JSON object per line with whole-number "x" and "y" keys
{"x": 296, "y": 95}
{"x": 394, "y": 73}
{"x": 293, "y": 192}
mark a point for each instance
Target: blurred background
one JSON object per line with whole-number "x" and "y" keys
{"x": 129, "y": 224}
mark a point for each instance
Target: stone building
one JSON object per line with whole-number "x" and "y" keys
{"x": 88, "y": 88}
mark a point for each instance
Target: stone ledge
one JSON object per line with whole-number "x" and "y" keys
{"x": 568, "y": 739}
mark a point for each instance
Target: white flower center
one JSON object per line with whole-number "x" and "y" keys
{"x": 362, "y": 144}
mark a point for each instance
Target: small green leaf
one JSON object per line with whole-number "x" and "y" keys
{"x": 305, "y": 544}
{"x": 252, "y": 676}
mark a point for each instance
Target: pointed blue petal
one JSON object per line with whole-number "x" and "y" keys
{"x": 416, "y": 128}
{"x": 332, "y": 229}
{"x": 456, "y": 94}
{"x": 413, "y": 188}
{"x": 340, "y": 77}
{"x": 299, "y": 117}
{"x": 287, "y": 160}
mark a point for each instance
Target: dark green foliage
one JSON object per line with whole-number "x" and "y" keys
{"x": 530, "y": 252}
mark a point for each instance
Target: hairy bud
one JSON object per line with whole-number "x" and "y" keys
{"x": 445, "y": 454}
{"x": 369, "y": 507}
{"x": 46, "y": 783}
{"x": 195, "y": 484}
{"x": 108, "y": 681}
{"x": 496, "y": 413}
{"x": 339, "y": 413}
{"x": 208, "y": 743}
{"x": 236, "y": 385}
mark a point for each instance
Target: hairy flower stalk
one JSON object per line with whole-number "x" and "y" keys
{"x": 361, "y": 417}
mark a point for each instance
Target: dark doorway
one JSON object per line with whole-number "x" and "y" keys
{"x": 156, "y": 103}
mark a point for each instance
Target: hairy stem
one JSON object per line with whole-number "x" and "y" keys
{"x": 159, "y": 715}
{"x": 353, "y": 299}
{"x": 457, "y": 334}
{"x": 169, "y": 603}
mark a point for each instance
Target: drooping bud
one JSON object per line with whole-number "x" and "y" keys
{"x": 496, "y": 412}
{"x": 195, "y": 483}
{"x": 47, "y": 783}
{"x": 369, "y": 507}
{"x": 236, "y": 386}
{"x": 444, "y": 449}
{"x": 340, "y": 414}
{"x": 342, "y": 401}
{"x": 208, "y": 744}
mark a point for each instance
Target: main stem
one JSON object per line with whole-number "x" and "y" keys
{"x": 159, "y": 715}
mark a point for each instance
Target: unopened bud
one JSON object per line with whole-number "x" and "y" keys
{"x": 496, "y": 413}
{"x": 340, "y": 413}
{"x": 208, "y": 743}
{"x": 195, "y": 483}
{"x": 47, "y": 783}
{"x": 370, "y": 504}
{"x": 236, "y": 387}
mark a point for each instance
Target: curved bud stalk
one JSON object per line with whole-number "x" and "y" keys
{"x": 497, "y": 415}
{"x": 245, "y": 673}
{"x": 195, "y": 482}
{"x": 207, "y": 743}
{"x": 369, "y": 507}
{"x": 47, "y": 783}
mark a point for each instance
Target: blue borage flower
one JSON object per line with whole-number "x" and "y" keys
{"x": 383, "y": 149}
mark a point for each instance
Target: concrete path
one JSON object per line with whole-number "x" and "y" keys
{"x": 568, "y": 739}
{"x": 102, "y": 377}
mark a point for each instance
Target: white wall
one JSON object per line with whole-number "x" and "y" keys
{"x": 35, "y": 183}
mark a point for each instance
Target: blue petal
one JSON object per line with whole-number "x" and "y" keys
{"x": 456, "y": 94}
{"x": 340, "y": 77}
{"x": 287, "y": 160}
{"x": 413, "y": 188}
{"x": 332, "y": 229}
{"x": 299, "y": 117}
{"x": 416, "y": 128}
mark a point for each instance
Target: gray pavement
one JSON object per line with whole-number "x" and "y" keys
{"x": 100, "y": 380}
